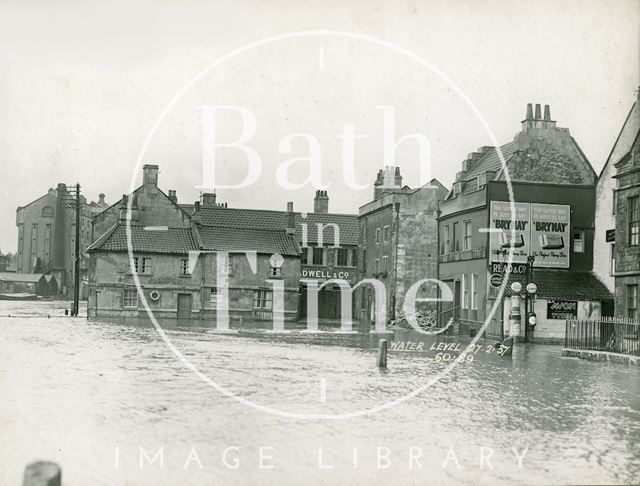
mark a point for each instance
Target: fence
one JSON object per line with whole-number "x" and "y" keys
{"x": 611, "y": 334}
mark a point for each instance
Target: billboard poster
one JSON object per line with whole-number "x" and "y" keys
{"x": 501, "y": 237}
{"x": 550, "y": 235}
{"x": 562, "y": 309}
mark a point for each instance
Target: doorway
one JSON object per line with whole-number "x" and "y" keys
{"x": 184, "y": 306}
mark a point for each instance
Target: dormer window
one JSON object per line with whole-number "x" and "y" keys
{"x": 457, "y": 188}
{"x": 482, "y": 180}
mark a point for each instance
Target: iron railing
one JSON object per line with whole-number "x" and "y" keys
{"x": 613, "y": 334}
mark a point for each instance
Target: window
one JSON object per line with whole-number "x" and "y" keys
{"x": 578, "y": 241}
{"x": 343, "y": 256}
{"x": 465, "y": 291}
{"x": 447, "y": 240}
{"x": 354, "y": 258}
{"x": 276, "y": 271}
{"x": 142, "y": 265}
{"x": 364, "y": 232}
{"x": 633, "y": 216}
{"x": 466, "y": 242}
{"x": 474, "y": 291}
{"x": 456, "y": 235}
{"x": 318, "y": 256}
{"x": 385, "y": 233}
{"x": 377, "y": 264}
{"x": 213, "y": 296}
{"x": 615, "y": 202}
{"x": 184, "y": 266}
{"x": 632, "y": 301}
{"x": 385, "y": 263}
{"x": 262, "y": 299}
{"x": 364, "y": 260}
{"x": 47, "y": 212}
{"x": 377, "y": 235}
{"x": 130, "y": 298}
{"x": 304, "y": 256}
{"x": 612, "y": 269}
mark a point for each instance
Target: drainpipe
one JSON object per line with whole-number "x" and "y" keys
{"x": 439, "y": 294}
{"x": 395, "y": 270}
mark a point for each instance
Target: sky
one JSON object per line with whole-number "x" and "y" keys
{"x": 83, "y": 83}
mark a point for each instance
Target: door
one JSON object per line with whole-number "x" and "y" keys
{"x": 457, "y": 300}
{"x": 184, "y": 306}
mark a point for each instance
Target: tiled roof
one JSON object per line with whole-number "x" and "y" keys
{"x": 147, "y": 239}
{"x": 20, "y": 277}
{"x": 565, "y": 285}
{"x": 270, "y": 220}
{"x": 627, "y": 135}
{"x": 490, "y": 160}
{"x": 269, "y": 241}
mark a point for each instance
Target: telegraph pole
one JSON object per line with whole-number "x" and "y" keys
{"x": 74, "y": 202}
{"x": 76, "y": 263}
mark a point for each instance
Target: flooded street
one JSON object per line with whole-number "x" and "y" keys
{"x": 112, "y": 405}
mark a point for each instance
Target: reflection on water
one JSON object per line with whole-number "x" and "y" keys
{"x": 96, "y": 397}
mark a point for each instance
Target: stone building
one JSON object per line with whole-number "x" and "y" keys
{"x": 46, "y": 236}
{"x": 176, "y": 249}
{"x": 627, "y": 216}
{"x": 398, "y": 242}
{"x": 554, "y": 208}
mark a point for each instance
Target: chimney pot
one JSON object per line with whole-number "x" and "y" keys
{"x": 547, "y": 113}
{"x": 529, "y": 115}
{"x": 538, "y": 114}
{"x": 290, "y": 207}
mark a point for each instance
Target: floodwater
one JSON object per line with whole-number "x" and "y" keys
{"x": 113, "y": 405}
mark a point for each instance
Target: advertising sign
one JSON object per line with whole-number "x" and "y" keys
{"x": 502, "y": 238}
{"x": 550, "y": 235}
{"x": 562, "y": 309}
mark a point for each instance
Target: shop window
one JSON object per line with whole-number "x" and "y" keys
{"x": 343, "y": 257}
{"x": 318, "y": 256}
{"x": 633, "y": 216}
{"x": 632, "y": 301}
{"x": 130, "y": 298}
{"x": 466, "y": 242}
{"x": 184, "y": 266}
{"x": 578, "y": 241}
{"x": 143, "y": 265}
{"x": 262, "y": 299}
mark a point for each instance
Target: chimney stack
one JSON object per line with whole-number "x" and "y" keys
{"x": 196, "y": 218}
{"x": 291, "y": 219}
{"x": 150, "y": 175}
{"x": 101, "y": 201}
{"x": 173, "y": 196}
{"x": 209, "y": 199}
{"x": 123, "y": 208}
{"x": 321, "y": 202}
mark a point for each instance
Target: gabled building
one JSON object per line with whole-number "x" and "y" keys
{"x": 46, "y": 236}
{"x": 176, "y": 248}
{"x": 626, "y": 160}
{"x": 554, "y": 192}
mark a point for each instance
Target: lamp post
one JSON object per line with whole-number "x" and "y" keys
{"x": 529, "y": 294}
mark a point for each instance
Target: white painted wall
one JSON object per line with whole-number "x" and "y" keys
{"x": 605, "y": 220}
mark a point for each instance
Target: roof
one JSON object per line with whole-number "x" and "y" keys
{"x": 565, "y": 285}
{"x": 218, "y": 238}
{"x": 268, "y": 219}
{"x": 20, "y": 277}
{"x": 147, "y": 239}
{"x": 627, "y": 136}
{"x": 490, "y": 160}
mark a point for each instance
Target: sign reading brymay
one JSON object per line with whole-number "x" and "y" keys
{"x": 540, "y": 230}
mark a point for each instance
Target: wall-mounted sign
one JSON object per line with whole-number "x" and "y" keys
{"x": 610, "y": 236}
{"x": 562, "y": 309}
{"x": 550, "y": 232}
{"x": 516, "y": 268}
{"x": 503, "y": 237}
{"x": 541, "y": 230}
{"x": 496, "y": 280}
{"x": 324, "y": 273}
